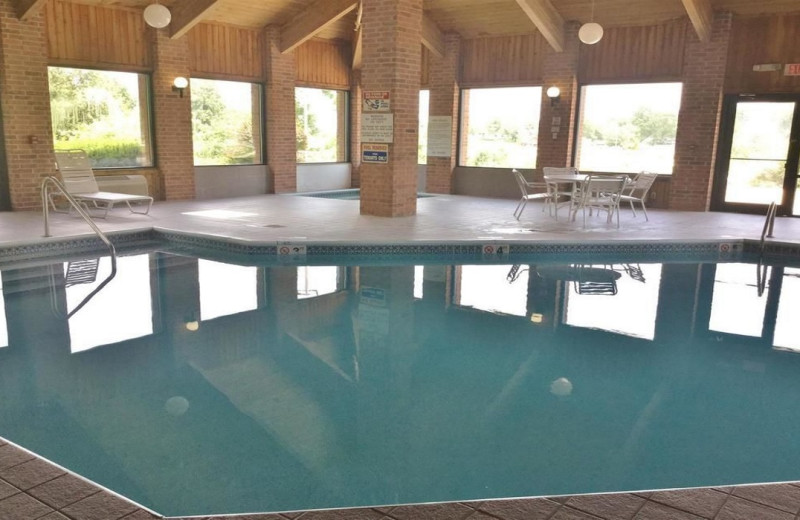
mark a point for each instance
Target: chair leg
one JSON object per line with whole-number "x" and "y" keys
{"x": 644, "y": 209}
{"x": 517, "y": 212}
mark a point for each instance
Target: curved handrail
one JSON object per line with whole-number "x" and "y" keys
{"x": 769, "y": 224}
{"x": 88, "y": 218}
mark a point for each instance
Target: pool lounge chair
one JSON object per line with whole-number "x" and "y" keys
{"x": 78, "y": 177}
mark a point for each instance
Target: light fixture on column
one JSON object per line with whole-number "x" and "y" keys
{"x": 591, "y": 32}
{"x": 157, "y": 15}
{"x": 180, "y": 83}
{"x": 554, "y": 93}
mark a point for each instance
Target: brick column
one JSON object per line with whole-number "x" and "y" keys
{"x": 281, "y": 124}
{"x": 698, "y": 120}
{"x": 355, "y": 129}
{"x": 560, "y": 69}
{"x": 444, "y": 92}
{"x": 173, "y": 117}
{"x": 391, "y": 62}
{"x": 25, "y": 99}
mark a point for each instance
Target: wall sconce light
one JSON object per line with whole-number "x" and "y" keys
{"x": 179, "y": 84}
{"x": 157, "y": 15}
{"x": 554, "y": 93}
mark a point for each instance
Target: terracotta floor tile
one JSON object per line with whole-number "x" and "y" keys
{"x": 523, "y": 509}
{"x": 100, "y": 506}
{"x": 656, "y": 511}
{"x": 567, "y": 513}
{"x": 64, "y": 490}
{"x": 30, "y": 473}
{"x": 701, "y": 502}
{"x": 740, "y": 509}
{"x": 22, "y": 507}
{"x": 6, "y": 490}
{"x": 432, "y": 512}
{"x": 11, "y": 456}
{"x": 617, "y": 506}
{"x": 780, "y": 496}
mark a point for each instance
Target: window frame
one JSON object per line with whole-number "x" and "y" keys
{"x": 460, "y": 128}
{"x": 579, "y": 111}
{"x": 262, "y": 119}
{"x": 146, "y": 107}
{"x": 347, "y": 158}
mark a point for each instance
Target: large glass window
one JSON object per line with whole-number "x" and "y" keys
{"x": 321, "y": 122}
{"x": 226, "y": 122}
{"x": 313, "y": 281}
{"x": 226, "y": 289}
{"x": 736, "y": 307}
{"x": 103, "y": 112}
{"x": 500, "y": 127}
{"x": 628, "y": 128}
{"x": 422, "y": 149}
{"x": 487, "y": 288}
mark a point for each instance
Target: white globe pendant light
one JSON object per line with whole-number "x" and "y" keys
{"x": 157, "y": 15}
{"x": 591, "y": 32}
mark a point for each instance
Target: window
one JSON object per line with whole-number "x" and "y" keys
{"x": 103, "y": 112}
{"x": 500, "y": 127}
{"x": 313, "y": 281}
{"x": 628, "y": 128}
{"x": 424, "y": 103}
{"x": 226, "y": 122}
{"x": 486, "y": 288}
{"x": 321, "y": 122}
{"x": 736, "y": 307}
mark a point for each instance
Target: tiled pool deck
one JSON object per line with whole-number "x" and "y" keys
{"x": 31, "y": 488}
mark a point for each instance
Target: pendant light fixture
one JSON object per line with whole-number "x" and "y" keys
{"x": 157, "y": 15}
{"x": 591, "y": 32}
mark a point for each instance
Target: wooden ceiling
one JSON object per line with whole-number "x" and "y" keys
{"x": 469, "y": 18}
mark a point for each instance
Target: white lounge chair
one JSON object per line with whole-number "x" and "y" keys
{"x": 601, "y": 193}
{"x": 78, "y": 178}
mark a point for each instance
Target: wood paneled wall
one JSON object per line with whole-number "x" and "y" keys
{"x": 91, "y": 35}
{"x": 761, "y": 40}
{"x": 225, "y": 51}
{"x": 424, "y": 73}
{"x": 653, "y": 52}
{"x": 323, "y": 63}
{"x": 508, "y": 60}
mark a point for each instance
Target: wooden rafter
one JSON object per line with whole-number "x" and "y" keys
{"x": 312, "y": 20}
{"x": 187, "y": 14}
{"x": 432, "y": 37}
{"x": 545, "y": 17}
{"x": 26, "y": 8}
{"x": 702, "y": 16}
{"x": 357, "y": 54}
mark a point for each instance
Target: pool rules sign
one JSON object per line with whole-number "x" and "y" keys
{"x": 377, "y": 127}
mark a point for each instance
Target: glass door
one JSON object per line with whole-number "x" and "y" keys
{"x": 757, "y": 161}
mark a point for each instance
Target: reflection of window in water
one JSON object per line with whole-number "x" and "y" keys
{"x": 121, "y": 310}
{"x": 3, "y": 322}
{"x": 736, "y": 307}
{"x": 485, "y": 287}
{"x": 787, "y": 326}
{"x": 226, "y": 289}
{"x": 418, "y": 278}
{"x": 631, "y": 311}
{"x": 318, "y": 280}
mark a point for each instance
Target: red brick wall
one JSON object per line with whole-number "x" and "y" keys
{"x": 698, "y": 120}
{"x": 173, "y": 117}
{"x": 559, "y": 69}
{"x": 444, "y": 91}
{"x": 391, "y": 62}
{"x": 26, "y": 105}
{"x": 281, "y": 129}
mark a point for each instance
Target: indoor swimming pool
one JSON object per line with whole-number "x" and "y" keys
{"x": 203, "y": 386}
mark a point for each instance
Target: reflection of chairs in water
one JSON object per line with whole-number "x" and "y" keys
{"x": 81, "y": 271}
{"x": 514, "y": 273}
{"x": 595, "y": 280}
{"x": 634, "y": 271}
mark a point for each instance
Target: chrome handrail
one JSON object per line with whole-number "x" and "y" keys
{"x": 769, "y": 224}
{"x": 88, "y": 218}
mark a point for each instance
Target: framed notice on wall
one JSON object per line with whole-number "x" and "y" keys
{"x": 377, "y": 128}
{"x": 440, "y": 136}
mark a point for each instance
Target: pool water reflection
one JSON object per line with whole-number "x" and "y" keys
{"x": 198, "y": 387}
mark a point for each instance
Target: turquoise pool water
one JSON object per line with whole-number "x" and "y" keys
{"x": 348, "y": 194}
{"x": 198, "y": 387}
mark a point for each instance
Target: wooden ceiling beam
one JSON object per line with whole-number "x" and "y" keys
{"x": 357, "y": 53}
{"x": 186, "y": 14}
{"x": 702, "y": 17}
{"x": 312, "y": 20}
{"x": 545, "y": 17}
{"x": 432, "y": 37}
{"x": 27, "y": 8}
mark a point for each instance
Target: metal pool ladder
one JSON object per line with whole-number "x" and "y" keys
{"x": 58, "y": 187}
{"x": 761, "y": 269}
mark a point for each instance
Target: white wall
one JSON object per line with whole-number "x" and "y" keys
{"x": 219, "y": 182}
{"x": 319, "y": 177}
